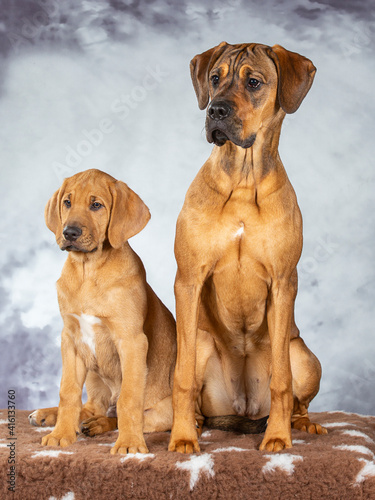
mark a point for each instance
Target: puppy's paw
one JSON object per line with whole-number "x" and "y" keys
{"x": 59, "y": 439}
{"x": 129, "y": 444}
{"x": 45, "y": 417}
{"x": 98, "y": 425}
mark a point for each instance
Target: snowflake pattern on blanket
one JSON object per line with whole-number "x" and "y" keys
{"x": 340, "y": 465}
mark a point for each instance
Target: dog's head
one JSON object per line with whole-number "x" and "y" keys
{"x": 92, "y": 209}
{"x": 245, "y": 85}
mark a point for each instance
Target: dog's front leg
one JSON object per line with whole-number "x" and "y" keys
{"x": 72, "y": 380}
{"x": 184, "y": 437}
{"x": 279, "y": 316}
{"x": 132, "y": 347}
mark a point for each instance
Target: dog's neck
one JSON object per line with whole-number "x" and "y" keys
{"x": 236, "y": 167}
{"x": 88, "y": 263}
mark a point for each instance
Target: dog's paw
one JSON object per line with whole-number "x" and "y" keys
{"x": 98, "y": 425}
{"x": 45, "y": 417}
{"x": 304, "y": 424}
{"x": 276, "y": 439}
{"x": 129, "y": 444}
{"x": 184, "y": 444}
{"x": 275, "y": 444}
{"x": 59, "y": 439}
{"x": 278, "y": 436}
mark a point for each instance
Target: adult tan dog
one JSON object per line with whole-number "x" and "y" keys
{"x": 238, "y": 241}
{"x": 117, "y": 335}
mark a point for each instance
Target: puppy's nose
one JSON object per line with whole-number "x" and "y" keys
{"x": 72, "y": 233}
{"x": 219, "y": 110}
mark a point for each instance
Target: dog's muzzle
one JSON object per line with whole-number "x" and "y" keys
{"x": 217, "y": 112}
{"x": 71, "y": 235}
{"x": 222, "y": 126}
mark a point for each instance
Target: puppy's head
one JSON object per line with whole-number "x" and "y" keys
{"x": 243, "y": 86}
{"x": 92, "y": 208}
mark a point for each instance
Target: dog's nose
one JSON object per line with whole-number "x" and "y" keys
{"x": 72, "y": 233}
{"x": 219, "y": 110}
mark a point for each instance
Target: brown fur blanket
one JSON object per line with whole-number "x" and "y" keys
{"x": 340, "y": 465}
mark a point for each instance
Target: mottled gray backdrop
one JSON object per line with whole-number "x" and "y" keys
{"x": 105, "y": 84}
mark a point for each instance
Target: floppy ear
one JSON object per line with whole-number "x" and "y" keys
{"x": 52, "y": 212}
{"x": 200, "y": 66}
{"x": 296, "y": 74}
{"x": 129, "y": 214}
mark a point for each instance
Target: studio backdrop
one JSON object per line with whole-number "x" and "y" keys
{"x": 105, "y": 84}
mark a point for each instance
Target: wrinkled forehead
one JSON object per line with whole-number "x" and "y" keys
{"x": 87, "y": 187}
{"x": 239, "y": 60}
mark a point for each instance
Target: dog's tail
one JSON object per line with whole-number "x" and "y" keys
{"x": 236, "y": 423}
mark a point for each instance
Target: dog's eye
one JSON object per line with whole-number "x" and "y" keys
{"x": 215, "y": 80}
{"x": 96, "y": 205}
{"x": 67, "y": 203}
{"x": 253, "y": 83}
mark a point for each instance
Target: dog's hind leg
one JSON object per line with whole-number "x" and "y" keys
{"x": 99, "y": 424}
{"x": 159, "y": 418}
{"x": 306, "y": 374}
{"x": 98, "y": 397}
{"x": 44, "y": 417}
{"x": 94, "y": 419}
{"x": 97, "y": 404}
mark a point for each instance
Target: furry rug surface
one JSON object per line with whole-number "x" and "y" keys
{"x": 340, "y": 465}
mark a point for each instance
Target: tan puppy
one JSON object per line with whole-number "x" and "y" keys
{"x": 238, "y": 241}
{"x": 117, "y": 335}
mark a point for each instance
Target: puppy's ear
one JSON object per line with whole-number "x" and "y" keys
{"x": 129, "y": 214}
{"x": 200, "y": 67}
{"x": 295, "y": 73}
{"x": 52, "y": 212}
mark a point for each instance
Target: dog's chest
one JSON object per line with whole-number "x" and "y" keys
{"x": 252, "y": 238}
{"x": 241, "y": 246}
{"x": 87, "y": 332}
{"x": 95, "y": 345}
{"x": 239, "y": 285}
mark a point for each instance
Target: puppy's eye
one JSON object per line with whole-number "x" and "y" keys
{"x": 67, "y": 203}
{"x": 215, "y": 80}
{"x": 253, "y": 83}
{"x": 95, "y": 206}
